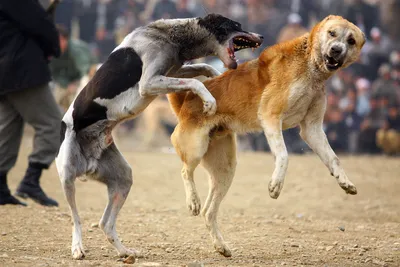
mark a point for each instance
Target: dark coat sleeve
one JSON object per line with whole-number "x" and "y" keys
{"x": 34, "y": 21}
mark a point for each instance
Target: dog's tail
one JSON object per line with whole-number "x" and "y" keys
{"x": 69, "y": 155}
{"x": 176, "y": 101}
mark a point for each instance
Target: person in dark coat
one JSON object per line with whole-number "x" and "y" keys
{"x": 336, "y": 131}
{"x": 28, "y": 40}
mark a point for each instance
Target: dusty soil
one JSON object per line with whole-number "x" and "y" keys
{"x": 312, "y": 223}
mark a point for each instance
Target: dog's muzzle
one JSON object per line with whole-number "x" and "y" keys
{"x": 335, "y": 57}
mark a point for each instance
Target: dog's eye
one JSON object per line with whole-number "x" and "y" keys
{"x": 332, "y": 33}
{"x": 351, "y": 41}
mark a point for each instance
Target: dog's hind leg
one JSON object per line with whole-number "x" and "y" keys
{"x": 190, "y": 144}
{"x": 313, "y": 134}
{"x": 220, "y": 162}
{"x": 67, "y": 170}
{"x": 68, "y": 184}
{"x": 114, "y": 171}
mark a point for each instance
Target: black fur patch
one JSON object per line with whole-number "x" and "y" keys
{"x": 220, "y": 26}
{"x": 62, "y": 134}
{"x": 62, "y": 131}
{"x": 121, "y": 71}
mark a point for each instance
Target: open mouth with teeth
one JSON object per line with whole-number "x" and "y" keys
{"x": 332, "y": 64}
{"x": 242, "y": 42}
{"x": 239, "y": 42}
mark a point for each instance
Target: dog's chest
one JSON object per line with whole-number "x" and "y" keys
{"x": 301, "y": 93}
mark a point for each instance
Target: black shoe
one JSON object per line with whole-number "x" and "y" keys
{"x": 7, "y": 198}
{"x": 36, "y": 193}
{"x": 30, "y": 187}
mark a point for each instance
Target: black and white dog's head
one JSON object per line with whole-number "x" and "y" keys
{"x": 230, "y": 37}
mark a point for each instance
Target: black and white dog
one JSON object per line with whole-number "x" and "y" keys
{"x": 147, "y": 63}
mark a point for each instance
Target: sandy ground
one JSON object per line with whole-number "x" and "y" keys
{"x": 302, "y": 228}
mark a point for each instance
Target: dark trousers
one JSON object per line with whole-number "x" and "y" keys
{"x": 37, "y": 107}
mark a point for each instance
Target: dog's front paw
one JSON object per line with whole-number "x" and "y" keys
{"x": 349, "y": 188}
{"x": 77, "y": 252}
{"x": 193, "y": 204}
{"x": 345, "y": 183}
{"x": 125, "y": 252}
{"x": 210, "y": 106}
{"x": 223, "y": 249}
{"x": 275, "y": 188}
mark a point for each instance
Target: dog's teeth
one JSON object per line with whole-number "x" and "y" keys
{"x": 336, "y": 64}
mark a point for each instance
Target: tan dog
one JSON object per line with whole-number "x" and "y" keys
{"x": 281, "y": 89}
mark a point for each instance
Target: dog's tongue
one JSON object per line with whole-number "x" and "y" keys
{"x": 231, "y": 53}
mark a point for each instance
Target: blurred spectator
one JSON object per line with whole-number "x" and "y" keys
{"x": 384, "y": 85}
{"x": 328, "y": 7}
{"x": 203, "y": 7}
{"x": 104, "y": 44}
{"x": 363, "y": 15}
{"x": 292, "y": 30}
{"x": 128, "y": 19}
{"x": 164, "y": 9}
{"x": 264, "y": 18}
{"x": 86, "y": 15}
{"x": 28, "y": 39}
{"x": 377, "y": 51}
{"x": 238, "y": 10}
{"x": 65, "y": 13}
{"x": 369, "y": 127}
{"x": 182, "y": 9}
{"x": 74, "y": 63}
{"x": 305, "y": 8}
{"x": 388, "y": 137}
{"x": 390, "y": 19}
{"x": 362, "y": 86}
{"x": 336, "y": 131}
{"x": 351, "y": 119}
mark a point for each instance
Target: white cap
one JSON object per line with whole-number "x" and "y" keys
{"x": 375, "y": 32}
{"x": 362, "y": 84}
{"x": 294, "y": 18}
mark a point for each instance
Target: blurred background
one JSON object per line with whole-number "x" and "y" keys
{"x": 363, "y": 100}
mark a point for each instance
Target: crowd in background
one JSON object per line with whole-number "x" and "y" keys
{"x": 363, "y": 114}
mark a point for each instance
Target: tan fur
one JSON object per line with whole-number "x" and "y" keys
{"x": 281, "y": 89}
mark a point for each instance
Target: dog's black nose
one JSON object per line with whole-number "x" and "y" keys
{"x": 336, "y": 50}
{"x": 261, "y": 37}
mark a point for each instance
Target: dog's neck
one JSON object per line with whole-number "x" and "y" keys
{"x": 193, "y": 41}
{"x": 316, "y": 64}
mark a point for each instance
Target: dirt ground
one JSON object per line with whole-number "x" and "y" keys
{"x": 313, "y": 223}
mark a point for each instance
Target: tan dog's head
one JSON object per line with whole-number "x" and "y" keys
{"x": 336, "y": 43}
